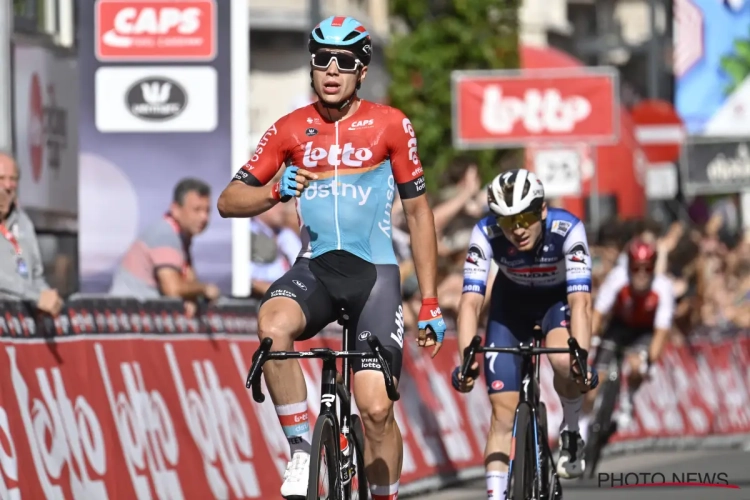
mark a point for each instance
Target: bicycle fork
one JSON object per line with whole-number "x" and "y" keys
{"x": 328, "y": 397}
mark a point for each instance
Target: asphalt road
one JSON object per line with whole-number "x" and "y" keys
{"x": 734, "y": 464}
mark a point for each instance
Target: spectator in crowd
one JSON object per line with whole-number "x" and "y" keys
{"x": 159, "y": 263}
{"x": 274, "y": 247}
{"x": 21, "y": 268}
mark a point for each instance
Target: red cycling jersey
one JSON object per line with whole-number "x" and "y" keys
{"x": 375, "y": 133}
{"x": 359, "y": 162}
{"x": 651, "y": 310}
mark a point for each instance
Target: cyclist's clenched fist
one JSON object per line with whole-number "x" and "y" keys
{"x": 293, "y": 181}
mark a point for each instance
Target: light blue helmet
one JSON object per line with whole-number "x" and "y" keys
{"x": 341, "y": 32}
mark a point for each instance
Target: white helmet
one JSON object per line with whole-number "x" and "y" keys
{"x": 515, "y": 191}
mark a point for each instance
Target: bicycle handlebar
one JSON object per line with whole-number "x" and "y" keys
{"x": 475, "y": 347}
{"x": 264, "y": 354}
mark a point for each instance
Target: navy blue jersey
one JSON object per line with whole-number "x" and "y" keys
{"x": 529, "y": 282}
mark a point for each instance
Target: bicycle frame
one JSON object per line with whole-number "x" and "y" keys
{"x": 531, "y": 395}
{"x": 329, "y": 384}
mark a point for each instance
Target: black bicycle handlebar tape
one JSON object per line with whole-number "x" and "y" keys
{"x": 390, "y": 387}
{"x": 469, "y": 354}
{"x": 253, "y": 376}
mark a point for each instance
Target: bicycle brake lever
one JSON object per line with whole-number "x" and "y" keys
{"x": 580, "y": 355}
{"x": 469, "y": 353}
{"x": 385, "y": 368}
{"x": 253, "y": 375}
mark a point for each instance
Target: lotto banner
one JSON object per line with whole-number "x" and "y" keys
{"x": 124, "y": 416}
{"x": 168, "y": 416}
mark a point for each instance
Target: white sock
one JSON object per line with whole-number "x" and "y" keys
{"x": 571, "y": 413}
{"x": 497, "y": 483}
{"x": 296, "y": 426}
{"x": 583, "y": 424}
{"x": 389, "y": 492}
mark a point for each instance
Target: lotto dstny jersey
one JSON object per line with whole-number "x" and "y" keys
{"x": 561, "y": 263}
{"x": 360, "y": 161}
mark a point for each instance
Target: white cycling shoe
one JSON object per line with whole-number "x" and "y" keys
{"x": 296, "y": 476}
{"x": 571, "y": 463}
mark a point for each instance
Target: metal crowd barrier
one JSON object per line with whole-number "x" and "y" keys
{"x": 102, "y": 314}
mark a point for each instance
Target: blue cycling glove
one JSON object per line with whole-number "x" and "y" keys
{"x": 430, "y": 316}
{"x": 286, "y": 188}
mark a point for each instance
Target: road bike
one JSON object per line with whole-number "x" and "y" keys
{"x": 531, "y": 470}
{"x": 603, "y": 426}
{"x": 333, "y": 475}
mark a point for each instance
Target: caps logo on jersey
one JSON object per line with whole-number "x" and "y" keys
{"x": 561, "y": 227}
{"x": 578, "y": 254}
{"x": 311, "y": 132}
{"x": 362, "y": 124}
{"x": 474, "y": 255}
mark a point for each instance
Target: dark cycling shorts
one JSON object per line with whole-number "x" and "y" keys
{"x": 370, "y": 293}
{"x": 620, "y": 337}
{"x": 505, "y": 329}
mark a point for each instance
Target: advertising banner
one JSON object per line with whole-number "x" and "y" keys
{"x": 157, "y": 109}
{"x": 716, "y": 166}
{"x": 45, "y": 118}
{"x": 712, "y": 65}
{"x": 166, "y": 415}
{"x": 509, "y": 108}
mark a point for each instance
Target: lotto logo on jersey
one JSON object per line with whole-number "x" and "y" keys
{"x": 348, "y": 156}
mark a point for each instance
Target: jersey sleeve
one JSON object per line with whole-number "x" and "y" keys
{"x": 610, "y": 287}
{"x": 402, "y": 148}
{"x": 665, "y": 308}
{"x": 268, "y": 158}
{"x": 478, "y": 262}
{"x": 577, "y": 260}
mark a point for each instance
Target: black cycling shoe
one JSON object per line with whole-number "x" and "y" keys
{"x": 571, "y": 463}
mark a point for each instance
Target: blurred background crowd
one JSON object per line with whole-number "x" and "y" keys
{"x": 706, "y": 256}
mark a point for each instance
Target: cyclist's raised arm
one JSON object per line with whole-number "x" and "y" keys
{"x": 578, "y": 279}
{"x": 476, "y": 276}
{"x": 247, "y": 194}
{"x": 663, "y": 318}
{"x": 606, "y": 295}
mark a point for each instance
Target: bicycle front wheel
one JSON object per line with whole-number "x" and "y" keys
{"x": 601, "y": 426}
{"x": 523, "y": 455}
{"x": 357, "y": 489}
{"x": 324, "y": 463}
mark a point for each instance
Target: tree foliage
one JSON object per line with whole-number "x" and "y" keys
{"x": 446, "y": 35}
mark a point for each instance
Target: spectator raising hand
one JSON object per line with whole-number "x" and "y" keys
{"x": 466, "y": 189}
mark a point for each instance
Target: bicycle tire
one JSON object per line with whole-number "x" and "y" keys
{"x": 522, "y": 481}
{"x": 600, "y": 427}
{"x": 358, "y": 491}
{"x": 544, "y": 460}
{"x": 325, "y": 441}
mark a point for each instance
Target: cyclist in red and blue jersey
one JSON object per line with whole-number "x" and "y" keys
{"x": 345, "y": 158}
{"x": 544, "y": 279}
